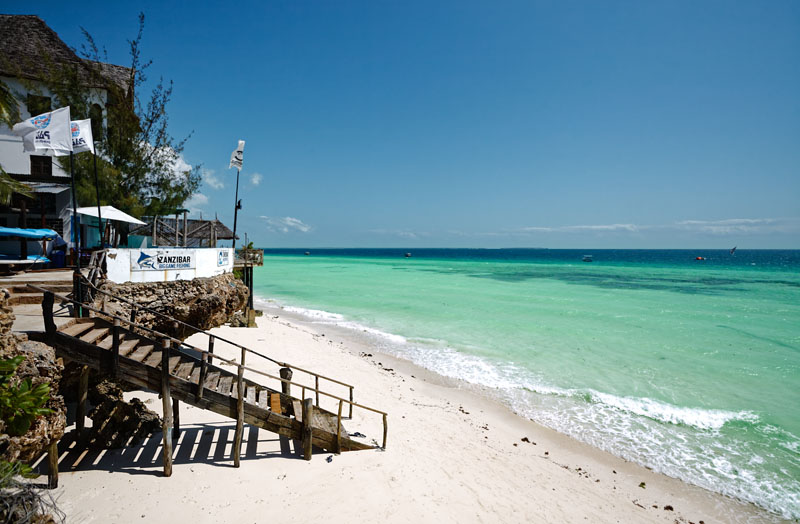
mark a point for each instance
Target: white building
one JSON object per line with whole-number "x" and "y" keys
{"x": 22, "y": 38}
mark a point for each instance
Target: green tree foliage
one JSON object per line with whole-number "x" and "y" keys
{"x": 9, "y": 115}
{"x": 139, "y": 162}
{"x": 20, "y": 402}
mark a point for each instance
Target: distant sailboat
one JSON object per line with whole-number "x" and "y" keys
{"x": 733, "y": 250}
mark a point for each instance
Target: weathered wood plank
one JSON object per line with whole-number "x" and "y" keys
{"x": 154, "y": 359}
{"x": 76, "y": 329}
{"x": 224, "y": 386}
{"x": 250, "y": 396}
{"x": 140, "y": 353}
{"x": 184, "y": 370}
{"x": 94, "y": 335}
{"x": 166, "y": 424}
{"x": 83, "y": 390}
{"x": 308, "y": 432}
{"x": 212, "y": 380}
{"x": 128, "y": 345}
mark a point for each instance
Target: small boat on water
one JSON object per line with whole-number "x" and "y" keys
{"x": 699, "y": 258}
{"x": 587, "y": 258}
{"x": 408, "y": 255}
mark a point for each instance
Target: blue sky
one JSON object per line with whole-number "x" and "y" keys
{"x": 481, "y": 124}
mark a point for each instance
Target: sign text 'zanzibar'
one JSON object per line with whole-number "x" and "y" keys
{"x": 159, "y": 260}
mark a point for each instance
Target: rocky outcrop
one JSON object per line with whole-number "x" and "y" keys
{"x": 40, "y": 365}
{"x": 203, "y": 302}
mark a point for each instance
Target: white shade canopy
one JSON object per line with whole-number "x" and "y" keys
{"x": 109, "y": 213}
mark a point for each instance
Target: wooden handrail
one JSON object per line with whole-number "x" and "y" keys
{"x": 235, "y": 344}
{"x": 240, "y": 367}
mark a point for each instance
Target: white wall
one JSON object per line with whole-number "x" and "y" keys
{"x": 206, "y": 262}
{"x": 12, "y": 158}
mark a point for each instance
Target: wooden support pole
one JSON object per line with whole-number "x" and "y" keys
{"x": 176, "y": 416}
{"x": 237, "y": 439}
{"x": 385, "y": 430}
{"x": 133, "y": 315}
{"x": 350, "y": 417}
{"x": 47, "y": 313}
{"x": 115, "y": 347}
{"x": 166, "y": 425}
{"x": 316, "y": 386}
{"x": 83, "y": 389}
{"x": 308, "y": 410}
{"x": 339, "y": 429}
{"x": 52, "y": 462}
{"x": 286, "y": 374}
{"x": 201, "y": 381}
{"x": 210, "y": 350}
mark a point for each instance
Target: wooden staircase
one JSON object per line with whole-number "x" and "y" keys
{"x": 148, "y": 359}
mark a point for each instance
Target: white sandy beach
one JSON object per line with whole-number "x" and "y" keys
{"x": 451, "y": 456}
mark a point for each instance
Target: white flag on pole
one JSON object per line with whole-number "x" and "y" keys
{"x": 81, "y": 131}
{"x": 237, "y": 156}
{"x": 48, "y": 132}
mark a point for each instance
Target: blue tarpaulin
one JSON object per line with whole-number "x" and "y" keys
{"x": 32, "y": 234}
{"x": 31, "y": 258}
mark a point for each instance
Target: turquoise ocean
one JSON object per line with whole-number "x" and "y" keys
{"x": 689, "y": 367}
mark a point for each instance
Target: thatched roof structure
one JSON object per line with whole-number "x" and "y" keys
{"x": 199, "y": 233}
{"x": 25, "y": 39}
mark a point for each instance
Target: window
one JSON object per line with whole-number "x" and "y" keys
{"x": 38, "y": 104}
{"x": 41, "y": 165}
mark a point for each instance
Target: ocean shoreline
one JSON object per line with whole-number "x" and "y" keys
{"x": 360, "y": 344}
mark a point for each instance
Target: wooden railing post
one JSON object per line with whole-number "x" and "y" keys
{"x": 133, "y": 315}
{"x": 350, "y": 417}
{"x": 115, "y": 347}
{"x": 339, "y": 429}
{"x": 237, "y": 439}
{"x": 52, "y": 462}
{"x": 385, "y": 430}
{"x": 83, "y": 389}
{"x": 286, "y": 389}
{"x": 201, "y": 381}
{"x": 47, "y": 313}
{"x": 211, "y": 350}
{"x": 308, "y": 410}
{"x": 166, "y": 425}
{"x": 316, "y": 386}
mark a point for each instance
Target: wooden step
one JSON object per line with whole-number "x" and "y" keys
{"x": 154, "y": 359}
{"x": 212, "y": 379}
{"x": 141, "y": 352}
{"x": 17, "y": 299}
{"x": 224, "y": 386}
{"x": 76, "y": 330}
{"x": 250, "y": 395}
{"x": 263, "y": 398}
{"x": 94, "y": 335}
{"x": 127, "y": 346}
{"x": 185, "y": 370}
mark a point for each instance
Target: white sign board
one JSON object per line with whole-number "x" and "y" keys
{"x": 162, "y": 259}
{"x": 223, "y": 257}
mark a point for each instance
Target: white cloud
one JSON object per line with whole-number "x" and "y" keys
{"x": 738, "y": 226}
{"x": 286, "y": 224}
{"x": 196, "y": 203}
{"x": 255, "y": 178}
{"x": 402, "y": 233}
{"x": 211, "y": 180}
{"x": 631, "y": 228}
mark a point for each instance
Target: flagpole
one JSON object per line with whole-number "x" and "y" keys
{"x": 235, "y": 212}
{"x": 75, "y": 230}
{"x": 97, "y": 189}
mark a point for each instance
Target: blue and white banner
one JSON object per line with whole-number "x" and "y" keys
{"x": 162, "y": 259}
{"x": 81, "y": 131}
{"x": 46, "y": 133}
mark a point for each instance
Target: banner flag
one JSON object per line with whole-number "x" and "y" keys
{"x": 81, "y": 131}
{"x": 237, "y": 156}
{"x": 48, "y": 132}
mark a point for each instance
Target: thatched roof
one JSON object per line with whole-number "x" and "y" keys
{"x": 197, "y": 230}
{"x": 23, "y": 40}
